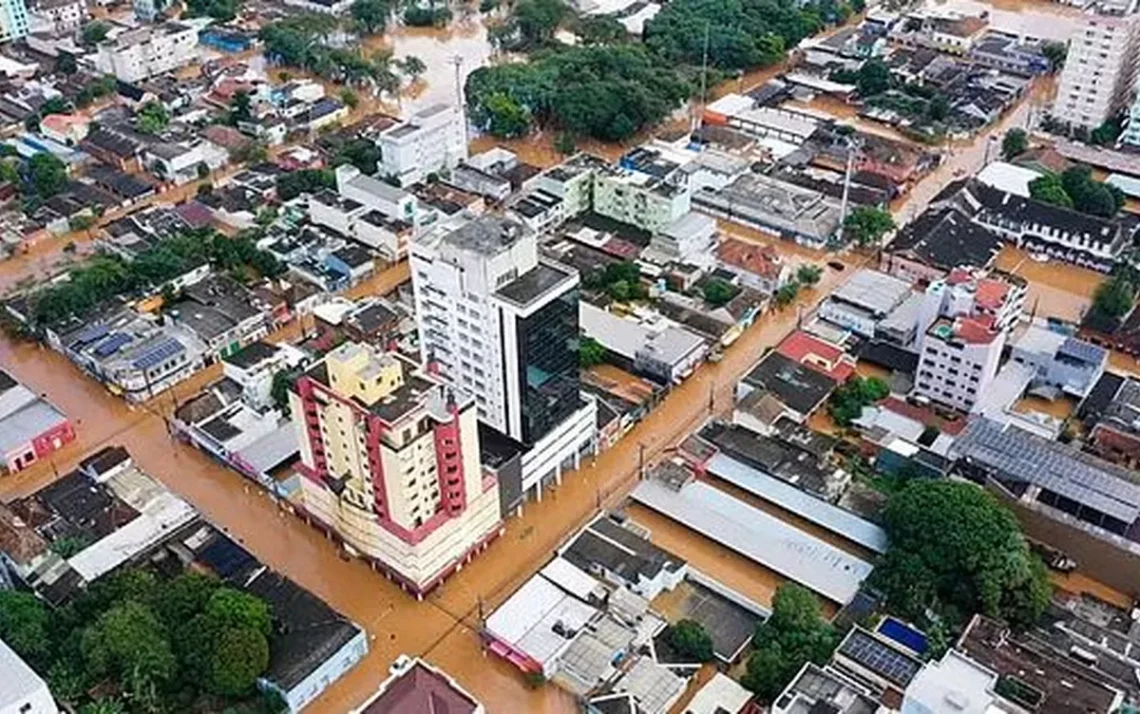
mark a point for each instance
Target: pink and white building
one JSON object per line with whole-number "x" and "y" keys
{"x": 390, "y": 465}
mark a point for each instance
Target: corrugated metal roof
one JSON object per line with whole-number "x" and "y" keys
{"x": 764, "y": 538}
{"x": 20, "y": 427}
{"x": 790, "y": 498}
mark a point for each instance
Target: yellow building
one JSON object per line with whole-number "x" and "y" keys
{"x": 390, "y": 465}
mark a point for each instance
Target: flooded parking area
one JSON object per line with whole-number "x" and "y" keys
{"x": 1031, "y": 18}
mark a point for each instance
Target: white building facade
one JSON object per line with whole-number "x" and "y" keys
{"x": 22, "y": 691}
{"x": 1099, "y": 70}
{"x": 503, "y": 325}
{"x": 431, "y": 141}
{"x": 147, "y": 51}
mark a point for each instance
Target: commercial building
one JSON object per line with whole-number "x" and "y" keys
{"x": 1099, "y": 70}
{"x": 938, "y": 241}
{"x": 30, "y": 427}
{"x": 664, "y": 352}
{"x": 414, "y": 687}
{"x": 13, "y": 20}
{"x": 131, "y": 355}
{"x": 502, "y": 325}
{"x": 22, "y": 691}
{"x": 432, "y": 140}
{"x": 859, "y": 304}
{"x": 689, "y": 240}
{"x": 223, "y": 314}
{"x": 785, "y": 387}
{"x": 147, "y": 51}
{"x": 390, "y": 464}
{"x": 786, "y": 210}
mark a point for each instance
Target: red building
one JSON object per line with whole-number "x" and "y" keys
{"x": 30, "y": 427}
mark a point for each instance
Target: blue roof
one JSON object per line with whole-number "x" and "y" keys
{"x": 159, "y": 353}
{"x": 786, "y": 496}
{"x": 90, "y": 334}
{"x": 112, "y": 344}
{"x": 1083, "y": 351}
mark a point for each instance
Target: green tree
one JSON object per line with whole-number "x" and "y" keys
{"x": 94, "y": 32}
{"x": 47, "y": 175}
{"x": 1014, "y": 143}
{"x": 1048, "y": 189}
{"x": 718, "y": 292}
{"x": 349, "y": 98}
{"x": 231, "y": 608}
{"x": 938, "y": 108}
{"x": 809, "y": 274}
{"x": 152, "y": 118}
{"x": 866, "y": 225}
{"x": 590, "y": 352}
{"x": 371, "y": 15}
{"x": 1055, "y": 52}
{"x": 103, "y": 706}
{"x": 794, "y": 634}
{"x": 506, "y": 118}
{"x": 874, "y": 77}
{"x": 291, "y": 185}
{"x": 239, "y": 657}
{"x": 362, "y": 153}
{"x": 599, "y": 30}
{"x": 956, "y": 550}
{"x": 413, "y": 67}
{"x": 1114, "y": 297}
{"x": 128, "y": 639}
{"x": 66, "y": 64}
{"x": 221, "y": 10}
{"x": 532, "y": 24}
{"x": 24, "y": 626}
{"x": 241, "y": 108}
{"x": 846, "y": 402}
{"x": 786, "y": 295}
{"x": 1107, "y": 132}
{"x": 565, "y": 144}
{"x": 282, "y": 383}
{"x": 691, "y": 640}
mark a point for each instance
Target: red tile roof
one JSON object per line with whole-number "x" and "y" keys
{"x": 991, "y": 293}
{"x": 819, "y": 355}
{"x": 421, "y": 690}
{"x": 759, "y": 260}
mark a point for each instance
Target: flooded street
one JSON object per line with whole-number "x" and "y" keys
{"x": 443, "y": 627}
{"x": 462, "y": 47}
{"x": 1032, "y": 18}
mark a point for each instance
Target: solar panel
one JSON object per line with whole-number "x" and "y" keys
{"x": 112, "y": 344}
{"x": 158, "y": 354}
{"x": 1084, "y": 351}
{"x": 880, "y": 658}
{"x": 90, "y": 334}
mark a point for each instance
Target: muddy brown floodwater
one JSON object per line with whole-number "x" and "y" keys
{"x": 443, "y": 628}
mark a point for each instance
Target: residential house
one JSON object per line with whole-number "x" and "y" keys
{"x": 185, "y": 161}
{"x": 1061, "y": 362}
{"x": 69, "y": 129}
{"x": 865, "y": 300}
{"x": 759, "y": 267}
{"x": 433, "y": 140}
{"x": 414, "y": 685}
{"x": 222, "y": 314}
{"x": 31, "y": 428}
{"x": 147, "y": 51}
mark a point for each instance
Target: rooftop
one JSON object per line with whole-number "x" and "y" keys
{"x": 18, "y": 681}
{"x": 1015, "y": 455}
{"x": 800, "y": 387}
{"x": 620, "y": 551}
{"x": 488, "y": 234}
{"x": 534, "y": 284}
{"x": 762, "y": 537}
{"x": 419, "y": 688}
{"x": 874, "y": 291}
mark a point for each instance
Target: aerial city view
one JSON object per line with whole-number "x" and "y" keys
{"x": 557, "y": 356}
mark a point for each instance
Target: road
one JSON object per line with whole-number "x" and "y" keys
{"x": 443, "y": 627}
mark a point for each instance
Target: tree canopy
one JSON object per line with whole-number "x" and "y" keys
{"x": 717, "y": 292}
{"x": 371, "y": 15}
{"x": 1075, "y": 188}
{"x": 608, "y": 92}
{"x": 293, "y": 184}
{"x": 691, "y": 640}
{"x": 847, "y": 402}
{"x": 94, "y": 32}
{"x": 221, "y": 10}
{"x": 532, "y": 24}
{"x": 1014, "y": 143}
{"x": 152, "y": 118}
{"x": 794, "y": 634}
{"x": 955, "y": 550}
{"x": 160, "y": 645}
{"x": 742, "y": 34}
{"x": 1114, "y": 297}
{"x": 590, "y": 352}
{"x": 866, "y": 225}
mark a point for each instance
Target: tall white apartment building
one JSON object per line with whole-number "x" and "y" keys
{"x": 962, "y": 326}
{"x": 390, "y": 463}
{"x": 431, "y": 141}
{"x": 23, "y": 691}
{"x": 147, "y": 51}
{"x": 57, "y": 16}
{"x": 502, "y": 324}
{"x": 13, "y": 20}
{"x": 1096, "y": 82}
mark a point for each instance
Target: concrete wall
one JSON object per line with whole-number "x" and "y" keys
{"x": 1101, "y": 556}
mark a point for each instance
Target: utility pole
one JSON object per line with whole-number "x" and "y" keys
{"x": 846, "y": 184}
{"x": 641, "y": 460}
